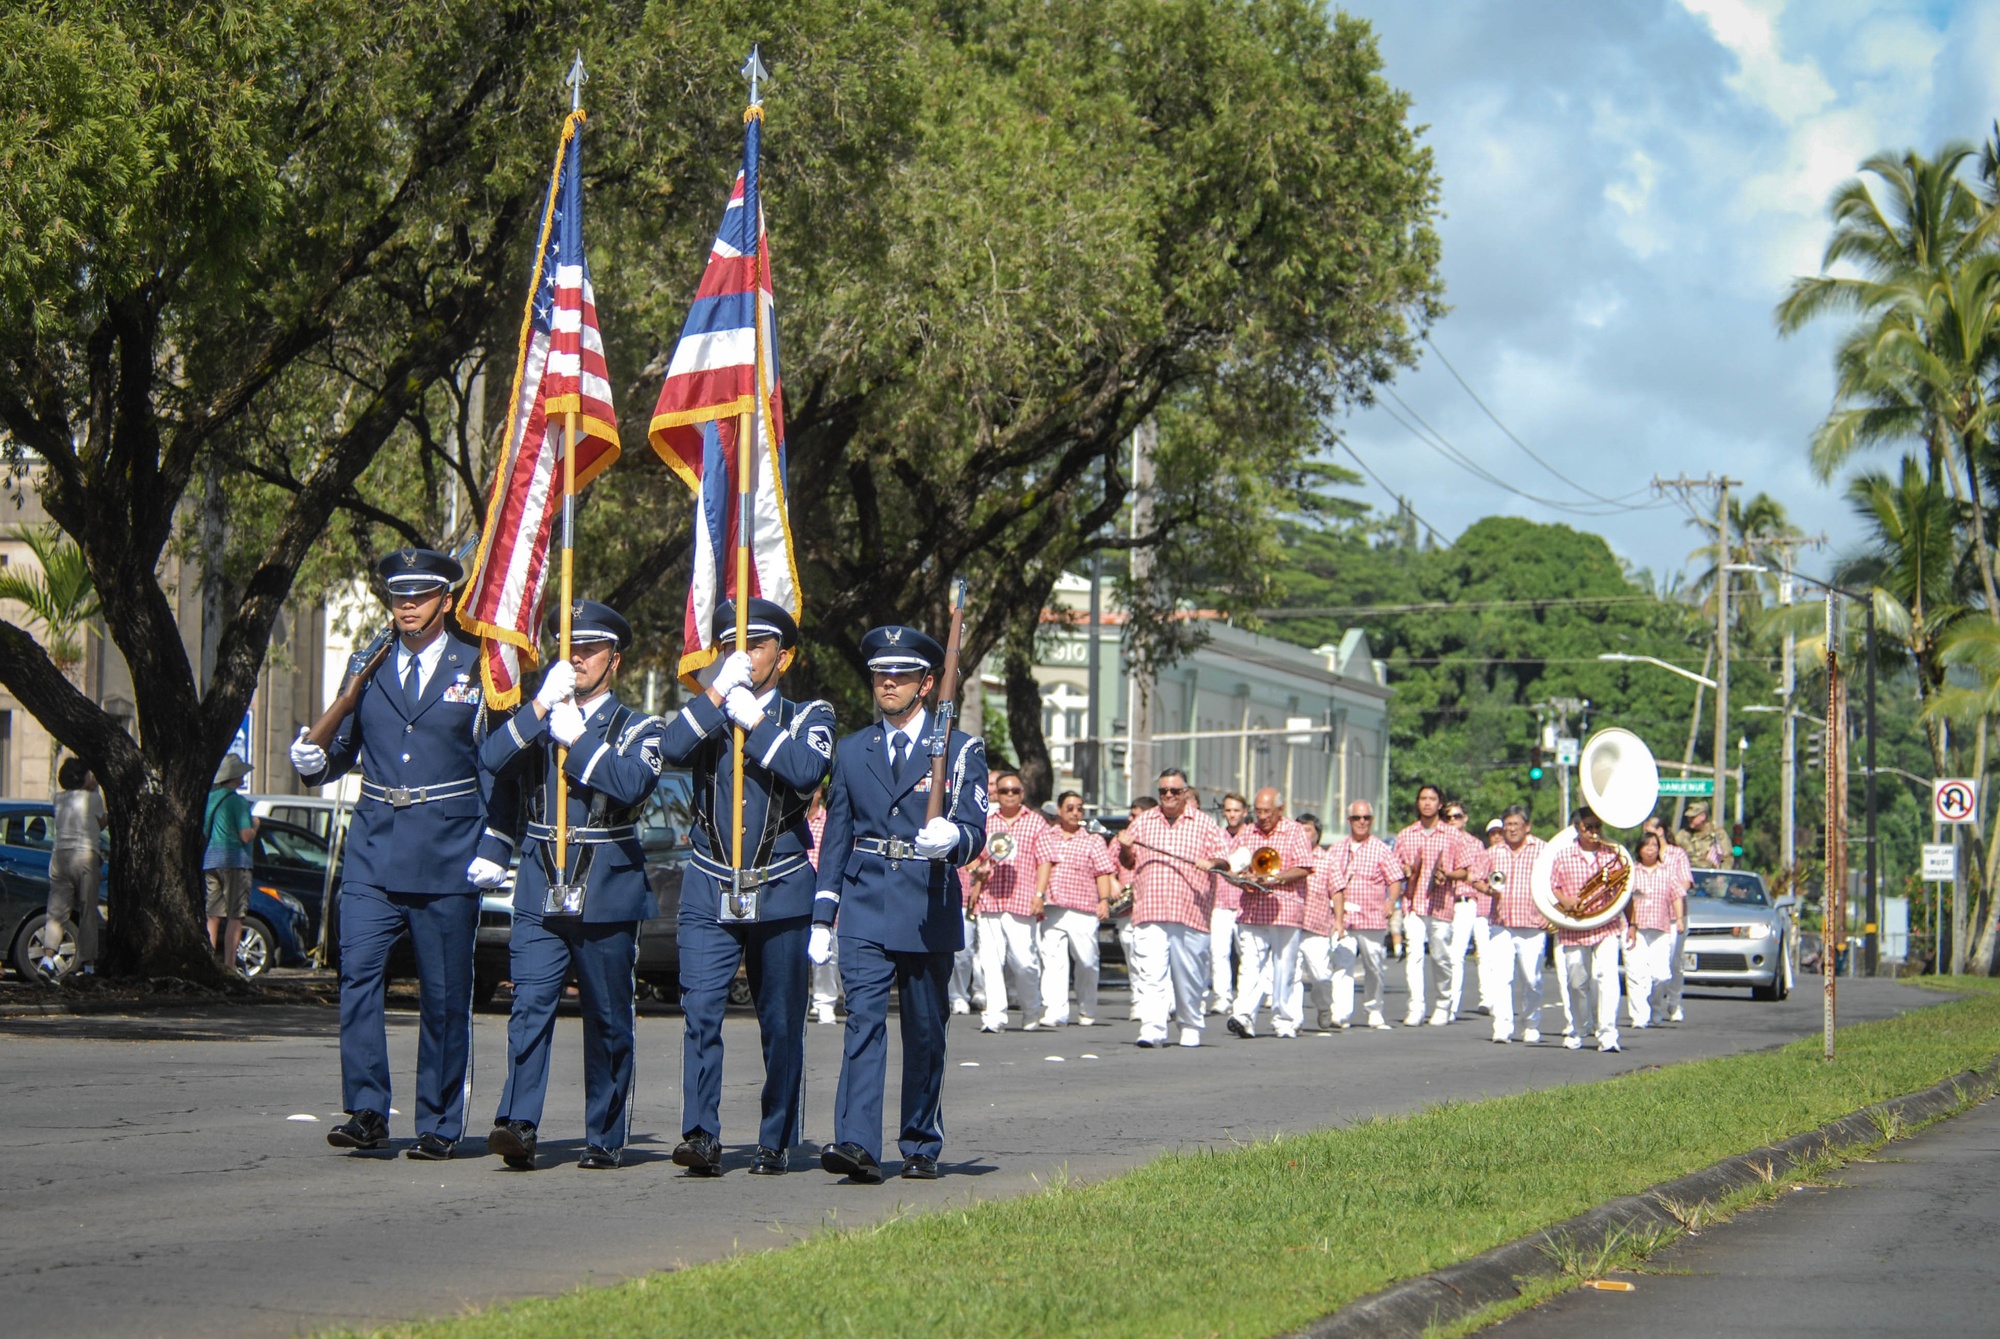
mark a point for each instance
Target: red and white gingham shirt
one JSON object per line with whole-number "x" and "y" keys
{"x": 817, "y": 826}
{"x": 1573, "y": 867}
{"x": 1228, "y": 897}
{"x": 1425, "y": 851}
{"x": 1285, "y": 903}
{"x": 1656, "y": 895}
{"x": 1075, "y": 859}
{"x": 1319, "y": 893}
{"x": 1170, "y": 890}
{"x": 1473, "y": 860}
{"x": 1364, "y": 872}
{"x": 1010, "y": 883}
{"x": 1677, "y": 860}
{"x": 1511, "y": 875}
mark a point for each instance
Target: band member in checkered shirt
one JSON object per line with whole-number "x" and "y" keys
{"x": 1171, "y": 851}
{"x": 1363, "y": 879}
{"x": 1272, "y": 920}
{"x": 1656, "y": 908}
{"x": 1236, "y": 830}
{"x": 1673, "y": 856}
{"x": 1073, "y": 886}
{"x": 1003, "y": 889}
{"x": 1519, "y": 934}
{"x": 1588, "y": 959}
{"x": 1469, "y": 910}
{"x": 1315, "y": 978}
{"x": 1429, "y": 849}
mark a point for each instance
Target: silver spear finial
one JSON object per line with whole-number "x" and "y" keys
{"x": 575, "y": 81}
{"x": 753, "y": 70}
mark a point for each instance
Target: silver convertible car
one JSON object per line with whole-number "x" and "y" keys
{"x": 1737, "y": 936}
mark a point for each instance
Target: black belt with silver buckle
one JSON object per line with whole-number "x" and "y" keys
{"x": 402, "y": 797}
{"x": 583, "y": 836}
{"x": 893, "y": 847}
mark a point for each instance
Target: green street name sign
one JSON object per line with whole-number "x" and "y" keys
{"x": 1686, "y": 785}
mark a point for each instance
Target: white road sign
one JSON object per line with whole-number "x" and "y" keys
{"x": 1567, "y": 752}
{"x": 1954, "y": 800}
{"x": 1940, "y": 862}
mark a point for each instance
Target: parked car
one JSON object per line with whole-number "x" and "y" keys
{"x": 1738, "y": 936}
{"x": 274, "y": 925}
{"x": 312, "y": 812}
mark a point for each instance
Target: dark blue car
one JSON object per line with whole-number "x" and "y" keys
{"x": 275, "y": 928}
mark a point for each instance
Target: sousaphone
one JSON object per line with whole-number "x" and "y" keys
{"x": 1621, "y": 784}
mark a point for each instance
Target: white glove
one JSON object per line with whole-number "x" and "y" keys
{"x": 741, "y": 704}
{"x": 819, "y": 947}
{"x": 566, "y": 723}
{"x": 735, "y": 673}
{"x": 308, "y": 758}
{"x": 558, "y": 684}
{"x": 1239, "y": 860}
{"x": 484, "y": 873}
{"x": 938, "y": 839}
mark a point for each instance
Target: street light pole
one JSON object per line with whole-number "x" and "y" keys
{"x": 1788, "y": 796}
{"x": 1722, "y": 566}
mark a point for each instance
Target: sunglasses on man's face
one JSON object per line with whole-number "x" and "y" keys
{"x": 1008, "y": 790}
{"x": 1171, "y": 791}
{"x": 1361, "y": 818}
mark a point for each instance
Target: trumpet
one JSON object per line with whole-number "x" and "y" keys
{"x": 1000, "y": 846}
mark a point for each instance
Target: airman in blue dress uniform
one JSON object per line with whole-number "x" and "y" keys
{"x": 613, "y": 766}
{"x": 418, "y": 851}
{"x": 888, "y": 875}
{"x": 764, "y": 917}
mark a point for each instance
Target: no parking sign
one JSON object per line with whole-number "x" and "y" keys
{"x": 1954, "y": 800}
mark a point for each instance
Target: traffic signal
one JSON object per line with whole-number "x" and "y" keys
{"x": 1815, "y": 749}
{"x": 1535, "y": 769}
{"x": 1736, "y": 841}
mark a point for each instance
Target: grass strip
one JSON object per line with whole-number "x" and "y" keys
{"x": 1261, "y": 1239}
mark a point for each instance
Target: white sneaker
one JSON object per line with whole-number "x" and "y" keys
{"x": 1085, "y": 1020}
{"x": 824, "y": 1013}
{"x": 1190, "y": 1036}
{"x": 960, "y": 1007}
{"x": 1413, "y": 1020}
{"x": 1055, "y": 1022}
{"x": 1609, "y": 1046}
{"x": 1033, "y": 1025}
{"x": 992, "y": 1027}
{"x": 1439, "y": 1018}
{"x": 1531, "y": 1037}
{"x": 1151, "y": 1039}
{"x": 1503, "y": 1037}
{"x": 1677, "y": 1017}
{"x": 1285, "y": 1036}
{"x": 1378, "y": 1023}
{"x": 1572, "y": 1043}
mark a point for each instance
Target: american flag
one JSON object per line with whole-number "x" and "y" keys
{"x": 731, "y": 337}
{"x": 561, "y": 370}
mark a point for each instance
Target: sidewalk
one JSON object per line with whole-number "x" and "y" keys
{"x": 1904, "y": 1245}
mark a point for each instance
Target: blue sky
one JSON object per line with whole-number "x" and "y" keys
{"x": 1629, "y": 185}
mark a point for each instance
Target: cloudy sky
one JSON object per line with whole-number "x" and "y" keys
{"x": 1628, "y": 187}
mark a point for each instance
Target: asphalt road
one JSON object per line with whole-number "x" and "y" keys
{"x": 164, "y": 1181}
{"x": 1902, "y": 1245}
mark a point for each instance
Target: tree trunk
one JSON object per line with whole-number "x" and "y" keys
{"x": 1024, "y": 716}
{"x": 156, "y": 907}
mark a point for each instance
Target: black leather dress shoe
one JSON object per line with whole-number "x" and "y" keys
{"x": 851, "y": 1160}
{"x": 700, "y": 1153}
{"x": 361, "y": 1129}
{"x": 431, "y": 1148}
{"x": 513, "y": 1142}
{"x": 597, "y": 1159}
{"x": 920, "y": 1167}
{"x": 768, "y": 1162}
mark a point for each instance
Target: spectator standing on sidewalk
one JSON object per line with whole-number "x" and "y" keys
{"x": 225, "y": 865}
{"x": 74, "y": 865}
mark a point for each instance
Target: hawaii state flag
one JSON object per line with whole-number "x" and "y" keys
{"x": 728, "y": 353}
{"x": 561, "y": 371}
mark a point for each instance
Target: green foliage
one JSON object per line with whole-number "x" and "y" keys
{"x": 58, "y": 595}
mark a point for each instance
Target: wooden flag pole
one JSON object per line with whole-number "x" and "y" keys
{"x": 562, "y": 636}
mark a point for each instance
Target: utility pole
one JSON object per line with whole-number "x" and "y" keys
{"x": 1788, "y": 783}
{"x": 1685, "y": 486}
{"x": 1561, "y": 708}
{"x": 1091, "y": 772}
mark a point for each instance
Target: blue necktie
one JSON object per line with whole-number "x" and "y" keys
{"x": 899, "y": 751}
{"x": 411, "y": 692}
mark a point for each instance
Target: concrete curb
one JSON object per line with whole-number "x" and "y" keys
{"x": 186, "y": 1004}
{"x": 1459, "y": 1291}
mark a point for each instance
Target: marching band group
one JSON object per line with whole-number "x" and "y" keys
{"x": 906, "y": 879}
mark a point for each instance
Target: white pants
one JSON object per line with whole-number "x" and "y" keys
{"x": 1465, "y": 928}
{"x": 1649, "y": 968}
{"x": 965, "y": 964}
{"x": 1125, "y": 945}
{"x": 1678, "y": 955}
{"x": 1591, "y": 973}
{"x": 1312, "y": 989}
{"x": 1514, "y": 953}
{"x": 1068, "y": 933}
{"x": 1170, "y": 978}
{"x": 1482, "y": 937}
{"x": 1007, "y": 940}
{"x": 1270, "y": 968}
{"x": 1358, "y": 956}
{"x": 1430, "y": 971}
{"x": 1221, "y": 934}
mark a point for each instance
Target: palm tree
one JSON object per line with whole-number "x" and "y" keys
{"x": 60, "y": 597}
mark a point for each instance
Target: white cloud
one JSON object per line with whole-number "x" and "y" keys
{"x": 1789, "y": 90}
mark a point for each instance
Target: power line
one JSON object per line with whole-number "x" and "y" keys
{"x": 1467, "y": 387}
{"x": 1400, "y": 500}
{"x": 1447, "y": 606}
